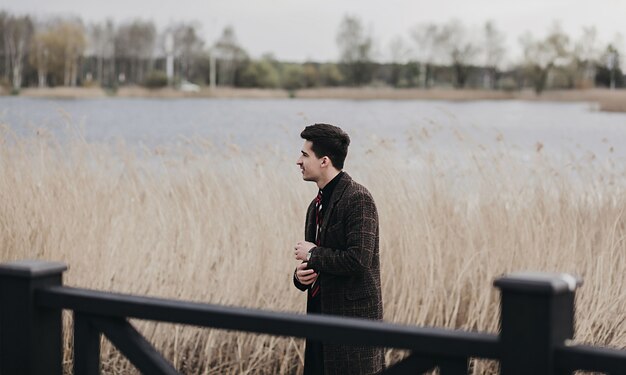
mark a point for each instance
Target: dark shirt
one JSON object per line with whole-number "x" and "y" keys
{"x": 314, "y": 358}
{"x": 327, "y": 191}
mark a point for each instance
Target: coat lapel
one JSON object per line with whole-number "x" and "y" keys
{"x": 309, "y": 231}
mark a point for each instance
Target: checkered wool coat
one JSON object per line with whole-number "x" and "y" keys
{"x": 348, "y": 261}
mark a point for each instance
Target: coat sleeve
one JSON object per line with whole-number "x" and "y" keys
{"x": 361, "y": 230}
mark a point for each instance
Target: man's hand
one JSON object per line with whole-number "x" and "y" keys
{"x": 305, "y": 276}
{"x": 302, "y": 249}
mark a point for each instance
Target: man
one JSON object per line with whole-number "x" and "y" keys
{"x": 340, "y": 267}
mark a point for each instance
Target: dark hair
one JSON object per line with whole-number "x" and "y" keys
{"x": 328, "y": 140}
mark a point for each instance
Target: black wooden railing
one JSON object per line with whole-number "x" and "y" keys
{"x": 537, "y": 324}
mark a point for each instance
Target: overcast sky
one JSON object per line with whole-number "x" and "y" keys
{"x": 299, "y": 30}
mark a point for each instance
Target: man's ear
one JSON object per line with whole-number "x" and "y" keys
{"x": 325, "y": 161}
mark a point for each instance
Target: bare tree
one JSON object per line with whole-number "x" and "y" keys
{"x": 493, "y": 49}
{"x": 398, "y": 49}
{"x": 18, "y": 32}
{"x": 399, "y": 53}
{"x": 134, "y": 44}
{"x": 101, "y": 43}
{"x": 229, "y": 56}
{"x": 56, "y": 49}
{"x": 355, "y": 50}
{"x": 74, "y": 42}
{"x": 619, "y": 43}
{"x": 460, "y": 49}
{"x": 427, "y": 50}
{"x": 187, "y": 46}
{"x": 108, "y": 77}
{"x": 585, "y": 54}
{"x": 40, "y": 50}
{"x": 610, "y": 62}
{"x": 4, "y": 16}
{"x": 95, "y": 44}
{"x": 541, "y": 56}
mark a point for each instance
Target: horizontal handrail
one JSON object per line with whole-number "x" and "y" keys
{"x": 339, "y": 330}
{"x": 590, "y": 358}
{"x": 536, "y": 319}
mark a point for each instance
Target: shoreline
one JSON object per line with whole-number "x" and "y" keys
{"x": 607, "y": 100}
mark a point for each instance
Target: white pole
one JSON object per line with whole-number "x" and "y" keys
{"x": 611, "y": 65}
{"x": 169, "y": 50}
{"x": 212, "y": 73}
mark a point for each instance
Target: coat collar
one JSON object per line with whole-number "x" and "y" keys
{"x": 342, "y": 184}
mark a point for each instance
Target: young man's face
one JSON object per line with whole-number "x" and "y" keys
{"x": 310, "y": 165}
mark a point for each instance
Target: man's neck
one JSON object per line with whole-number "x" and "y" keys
{"x": 328, "y": 178}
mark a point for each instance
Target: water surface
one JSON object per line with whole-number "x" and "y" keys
{"x": 570, "y": 130}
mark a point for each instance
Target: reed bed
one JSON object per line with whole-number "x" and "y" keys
{"x": 212, "y": 224}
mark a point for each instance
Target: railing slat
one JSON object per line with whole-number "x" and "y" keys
{"x": 86, "y": 346}
{"x": 589, "y": 358}
{"x": 134, "y": 346}
{"x": 453, "y": 367}
{"x": 411, "y": 365}
{"x": 350, "y": 331}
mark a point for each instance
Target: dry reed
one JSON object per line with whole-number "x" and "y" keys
{"x": 204, "y": 224}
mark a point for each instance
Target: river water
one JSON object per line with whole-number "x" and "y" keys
{"x": 562, "y": 130}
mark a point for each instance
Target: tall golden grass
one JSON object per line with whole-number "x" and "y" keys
{"x": 203, "y": 223}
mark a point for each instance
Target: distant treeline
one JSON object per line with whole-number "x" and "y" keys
{"x": 67, "y": 52}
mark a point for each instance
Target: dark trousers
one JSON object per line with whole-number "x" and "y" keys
{"x": 314, "y": 350}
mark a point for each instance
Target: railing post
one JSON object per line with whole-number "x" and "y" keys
{"x": 86, "y": 346}
{"x": 537, "y": 315}
{"x": 30, "y": 336}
